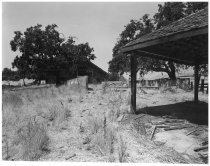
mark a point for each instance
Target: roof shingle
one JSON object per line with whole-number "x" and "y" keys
{"x": 193, "y": 21}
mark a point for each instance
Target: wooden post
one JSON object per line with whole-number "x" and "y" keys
{"x": 196, "y": 86}
{"x": 133, "y": 82}
{"x": 202, "y": 85}
{"x": 191, "y": 85}
{"x": 207, "y": 89}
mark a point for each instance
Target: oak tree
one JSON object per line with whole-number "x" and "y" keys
{"x": 167, "y": 13}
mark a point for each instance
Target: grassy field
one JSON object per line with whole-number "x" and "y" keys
{"x": 73, "y": 124}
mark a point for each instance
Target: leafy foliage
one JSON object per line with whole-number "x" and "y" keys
{"x": 44, "y": 53}
{"x": 9, "y": 75}
{"x": 167, "y": 13}
{"x": 113, "y": 77}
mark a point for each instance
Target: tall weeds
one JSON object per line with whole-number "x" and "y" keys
{"x": 26, "y": 114}
{"x": 122, "y": 154}
{"x": 33, "y": 138}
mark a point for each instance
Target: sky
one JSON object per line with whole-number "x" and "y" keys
{"x": 99, "y": 24}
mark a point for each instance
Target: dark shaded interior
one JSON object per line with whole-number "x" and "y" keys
{"x": 187, "y": 49}
{"x": 196, "y": 113}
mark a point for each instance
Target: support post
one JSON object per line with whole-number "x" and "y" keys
{"x": 202, "y": 85}
{"x": 133, "y": 82}
{"x": 196, "y": 86}
{"x": 191, "y": 85}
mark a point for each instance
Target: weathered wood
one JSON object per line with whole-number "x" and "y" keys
{"x": 162, "y": 126}
{"x": 192, "y": 132}
{"x": 167, "y": 116}
{"x": 202, "y": 86}
{"x": 139, "y": 117}
{"x": 67, "y": 158}
{"x": 164, "y": 57}
{"x": 133, "y": 82}
{"x": 176, "y": 128}
{"x": 100, "y": 150}
{"x": 201, "y": 148}
{"x": 158, "y": 126}
{"x": 204, "y": 155}
{"x": 174, "y": 121}
{"x": 167, "y": 39}
{"x": 191, "y": 85}
{"x": 153, "y": 133}
{"x": 196, "y": 82}
{"x": 158, "y": 122}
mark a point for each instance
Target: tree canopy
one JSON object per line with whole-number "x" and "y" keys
{"x": 44, "y": 52}
{"x": 9, "y": 75}
{"x": 167, "y": 13}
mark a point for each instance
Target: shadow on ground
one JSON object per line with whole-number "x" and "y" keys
{"x": 193, "y": 112}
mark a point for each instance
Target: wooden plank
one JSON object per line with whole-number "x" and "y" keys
{"x": 133, "y": 82}
{"x": 196, "y": 82}
{"x": 163, "y": 126}
{"x": 193, "y": 131}
{"x": 153, "y": 133}
{"x": 176, "y": 128}
{"x": 202, "y": 86}
{"x": 139, "y": 117}
{"x": 158, "y": 126}
{"x": 164, "y": 57}
{"x": 201, "y": 148}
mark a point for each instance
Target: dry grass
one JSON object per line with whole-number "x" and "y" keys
{"x": 122, "y": 154}
{"x": 26, "y": 117}
{"x": 104, "y": 141}
{"x": 117, "y": 106}
{"x": 33, "y": 138}
{"x": 103, "y": 134}
{"x": 95, "y": 124}
{"x": 104, "y": 87}
{"x": 32, "y": 118}
{"x": 104, "y": 128}
{"x": 140, "y": 127}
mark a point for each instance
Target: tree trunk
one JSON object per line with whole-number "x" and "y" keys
{"x": 24, "y": 82}
{"x": 57, "y": 78}
{"x": 172, "y": 73}
{"x": 169, "y": 68}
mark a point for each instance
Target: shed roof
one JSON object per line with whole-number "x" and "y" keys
{"x": 94, "y": 66}
{"x": 182, "y": 41}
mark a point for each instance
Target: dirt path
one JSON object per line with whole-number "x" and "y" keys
{"x": 67, "y": 143}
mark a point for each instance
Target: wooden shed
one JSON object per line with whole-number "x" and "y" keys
{"x": 184, "y": 41}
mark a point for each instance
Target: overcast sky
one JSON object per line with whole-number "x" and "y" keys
{"x": 99, "y": 24}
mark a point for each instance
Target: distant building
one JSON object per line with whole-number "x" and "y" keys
{"x": 95, "y": 74}
{"x": 184, "y": 78}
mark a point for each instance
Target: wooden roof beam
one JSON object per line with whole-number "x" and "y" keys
{"x": 162, "y": 57}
